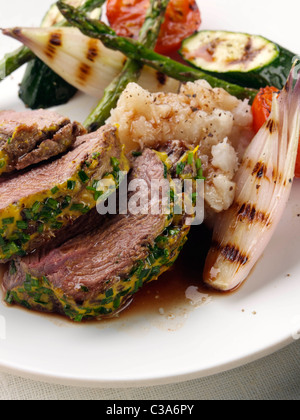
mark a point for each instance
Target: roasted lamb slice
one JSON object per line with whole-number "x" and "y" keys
{"x": 96, "y": 274}
{"x": 30, "y": 137}
{"x": 35, "y": 206}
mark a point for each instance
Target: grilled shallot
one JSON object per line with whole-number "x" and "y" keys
{"x": 82, "y": 61}
{"x": 264, "y": 182}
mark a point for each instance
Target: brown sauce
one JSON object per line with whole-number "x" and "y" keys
{"x": 169, "y": 292}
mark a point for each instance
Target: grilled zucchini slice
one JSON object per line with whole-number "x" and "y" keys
{"x": 248, "y": 60}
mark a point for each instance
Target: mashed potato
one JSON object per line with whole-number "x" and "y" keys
{"x": 219, "y": 123}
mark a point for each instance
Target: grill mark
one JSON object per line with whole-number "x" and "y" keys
{"x": 55, "y": 41}
{"x": 249, "y": 53}
{"x": 93, "y": 50}
{"x": 212, "y": 46}
{"x": 84, "y": 71}
{"x": 162, "y": 78}
{"x": 17, "y": 32}
{"x": 287, "y": 87}
{"x": 271, "y": 126}
{"x": 251, "y": 214}
{"x": 259, "y": 170}
{"x": 231, "y": 253}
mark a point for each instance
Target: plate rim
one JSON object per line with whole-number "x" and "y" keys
{"x": 51, "y": 378}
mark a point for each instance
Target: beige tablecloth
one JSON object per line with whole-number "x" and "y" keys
{"x": 276, "y": 377}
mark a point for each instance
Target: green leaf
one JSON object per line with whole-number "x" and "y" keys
{"x": 8, "y": 221}
{"x": 83, "y": 176}
{"x": 21, "y": 224}
{"x": 71, "y": 185}
{"x": 54, "y": 190}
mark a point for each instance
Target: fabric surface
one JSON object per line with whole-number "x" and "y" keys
{"x": 276, "y": 377}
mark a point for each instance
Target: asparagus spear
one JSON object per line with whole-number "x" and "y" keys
{"x": 88, "y": 7}
{"x": 136, "y": 51}
{"x": 14, "y": 60}
{"x": 132, "y": 69}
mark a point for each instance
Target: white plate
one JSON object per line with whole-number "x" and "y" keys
{"x": 150, "y": 348}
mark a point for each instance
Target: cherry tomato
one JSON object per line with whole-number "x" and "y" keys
{"x": 183, "y": 18}
{"x": 261, "y": 110}
{"x": 262, "y": 107}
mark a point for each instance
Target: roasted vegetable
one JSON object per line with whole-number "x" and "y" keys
{"x": 264, "y": 182}
{"x": 90, "y": 75}
{"x": 36, "y": 205}
{"x": 135, "y": 50}
{"x": 262, "y": 106}
{"x": 14, "y": 60}
{"x": 41, "y": 87}
{"x": 54, "y": 18}
{"x": 261, "y": 109}
{"x": 132, "y": 69}
{"x": 84, "y": 62}
{"x": 247, "y": 60}
{"x": 182, "y": 20}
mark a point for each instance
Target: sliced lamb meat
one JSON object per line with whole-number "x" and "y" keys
{"x": 36, "y": 205}
{"x": 95, "y": 274}
{"x": 30, "y": 137}
{"x": 83, "y": 225}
